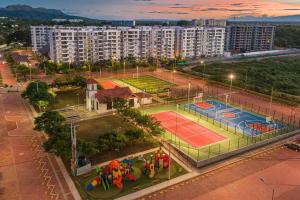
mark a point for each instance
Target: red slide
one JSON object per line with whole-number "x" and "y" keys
{"x": 131, "y": 177}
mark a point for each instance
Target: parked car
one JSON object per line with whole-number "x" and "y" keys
{"x": 292, "y": 146}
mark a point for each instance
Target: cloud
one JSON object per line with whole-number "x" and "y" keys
{"x": 292, "y": 9}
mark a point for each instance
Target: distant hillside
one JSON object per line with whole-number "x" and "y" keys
{"x": 27, "y": 12}
{"x": 289, "y": 18}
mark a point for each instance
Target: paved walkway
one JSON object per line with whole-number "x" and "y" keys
{"x": 26, "y": 171}
{"x": 251, "y": 178}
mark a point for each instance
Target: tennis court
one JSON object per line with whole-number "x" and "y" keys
{"x": 187, "y": 130}
{"x": 245, "y": 122}
{"x": 108, "y": 84}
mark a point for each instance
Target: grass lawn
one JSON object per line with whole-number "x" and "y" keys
{"x": 233, "y": 141}
{"x": 128, "y": 186}
{"x": 89, "y": 130}
{"x": 282, "y": 73}
{"x": 148, "y": 84}
{"x": 68, "y": 98}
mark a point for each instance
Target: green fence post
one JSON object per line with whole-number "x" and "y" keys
{"x": 220, "y": 123}
{"x": 208, "y": 151}
{"x": 228, "y": 145}
{"x": 188, "y": 149}
{"x": 198, "y": 155}
{"x": 227, "y": 126}
{"x": 219, "y": 148}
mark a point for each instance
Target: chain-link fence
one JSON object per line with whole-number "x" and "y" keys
{"x": 237, "y": 138}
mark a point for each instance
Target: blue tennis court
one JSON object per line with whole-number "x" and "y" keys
{"x": 244, "y": 121}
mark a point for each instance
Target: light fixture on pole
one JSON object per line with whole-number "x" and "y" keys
{"x": 231, "y": 77}
{"x": 203, "y": 63}
{"x": 30, "y": 71}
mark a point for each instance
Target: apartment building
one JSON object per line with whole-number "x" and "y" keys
{"x": 200, "y": 42}
{"x": 245, "y": 38}
{"x": 92, "y": 44}
{"x": 209, "y": 22}
{"x": 40, "y": 37}
{"x": 163, "y": 42}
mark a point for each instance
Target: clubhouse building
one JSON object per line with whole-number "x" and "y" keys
{"x": 102, "y": 100}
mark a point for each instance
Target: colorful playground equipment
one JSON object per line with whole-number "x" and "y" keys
{"x": 113, "y": 174}
{"x": 160, "y": 161}
{"x": 116, "y": 172}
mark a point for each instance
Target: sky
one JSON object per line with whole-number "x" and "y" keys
{"x": 166, "y": 9}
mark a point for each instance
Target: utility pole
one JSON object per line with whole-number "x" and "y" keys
{"x": 189, "y": 90}
{"x": 74, "y": 149}
{"x": 271, "y": 100}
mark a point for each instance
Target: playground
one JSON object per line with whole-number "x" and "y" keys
{"x": 149, "y": 84}
{"x": 120, "y": 178}
{"x": 244, "y": 121}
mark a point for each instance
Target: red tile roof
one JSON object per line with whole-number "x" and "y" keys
{"x": 110, "y": 94}
{"x": 143, "y": 95}
{"x": 91, "y": 81}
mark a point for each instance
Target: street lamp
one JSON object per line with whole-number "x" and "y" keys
{"x": 77, "y": 99}
{"x": 30, "y": 71}
{"x": 173, "y": 73}
{"x": 264, "y": 182}
{"x": 231, "y": 77}
{"x": 203, "y": 63}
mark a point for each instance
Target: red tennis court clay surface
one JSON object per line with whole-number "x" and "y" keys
{"x": 108, "y": 85}
{"x": 187, "y": 130}
{"x": 260, "y": 127}
{"x": 229, "y": 115}
{"x": 204, "y": 105}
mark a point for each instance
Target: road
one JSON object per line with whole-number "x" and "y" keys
{"x": 252, "y": 178}
{"x": 26, "y": 171}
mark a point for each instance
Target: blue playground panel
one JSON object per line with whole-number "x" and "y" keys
{"x": 241, "y": 121}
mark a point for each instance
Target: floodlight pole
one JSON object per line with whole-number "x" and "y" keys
{"x": 124, "y": 65}
{"x": 30, "y": 71}
{"x": 169, "y": 160}
{"x": 137, "y": 71}
{"x": 230, "y": 86}
{"x": 189, "y": 90}
{"x": 271, "y": 100}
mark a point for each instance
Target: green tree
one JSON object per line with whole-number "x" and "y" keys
{"x": 22, "y": 71}
{"x": 50, "y": 122}
{"x": 38, "y": 93}
{"x": 85, "y": 148}
{"x": 135, "y": 134}
{"x": 59, "y": 144}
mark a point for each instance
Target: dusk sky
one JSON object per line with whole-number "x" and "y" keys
{"x": 166, "y": 9}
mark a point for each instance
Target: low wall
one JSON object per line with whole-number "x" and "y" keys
{"x": 225, "y": 156}
{"x": 246, "y": 149}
